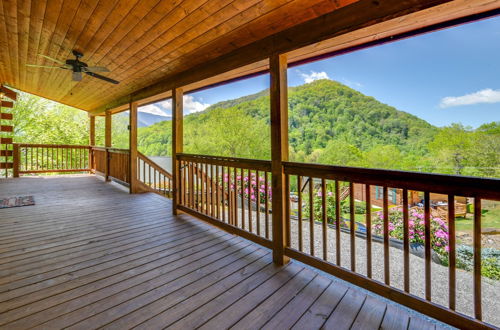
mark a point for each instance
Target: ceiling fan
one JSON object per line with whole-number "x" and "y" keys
{"x": 77, "y": 67}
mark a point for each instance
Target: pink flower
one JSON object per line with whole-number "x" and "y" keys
{"x": 319, "y": 193}
{"x": 447, "y": 248}
{"x": 253, "y": 183}
{"x": 253, "y": 197}
{"x": 330, "y": 193}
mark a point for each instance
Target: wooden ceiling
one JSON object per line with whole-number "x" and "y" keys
{"x": 147, "y": 43}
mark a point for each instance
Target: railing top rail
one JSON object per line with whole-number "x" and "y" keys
{"x": 438, "y": 183}
{"x": 154, "y": 165}
{"x": 251, "y": 164}
{"x": 39, "y": 145}
{"x": 110, "y": 149}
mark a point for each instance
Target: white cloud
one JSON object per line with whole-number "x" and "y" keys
{"x": 191, "y": 105}
{"x": 164, "y": 108}
{"x": 308, "y": 78}
{"x": 483, "y": 96}
{"x": 153, "y": 109}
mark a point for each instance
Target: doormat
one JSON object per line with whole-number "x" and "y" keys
{"x": 16, "y": 201}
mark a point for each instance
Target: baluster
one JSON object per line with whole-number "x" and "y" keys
{"x": 368, "y": 231}
{"x": 352, "y": 222}
{"x": 337, "y": 222}
{"x": 202, "y": 187}
{"x": 324, "y": 219}
{"x": 299, "y": 186}
{"x": 249, "y": 187}
{"x": 452, "y": 252}
{"x": 217, "y": 191}
{"x": 427, "y": 231}
{"x": 477, "y": 259}
{"x": 212, "y": 191}
{"x": 257, "y": 201}
{"x": 311, "y": 216}
{"x": 266, "y": 197}
{"x": 387, "y": 278}
{"x": 242, "y": 184}
{"x": 406, "y": 242}
{"x": 223, "y": 197}
{"x": 288, "y": 229}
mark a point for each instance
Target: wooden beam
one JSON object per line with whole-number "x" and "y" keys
{"x": 5, "y": 165}
{"x": 177, "y": 143}
{"x": 8, "y": 93}
{"x": 346, "y": 19}
{"x": 133, "y": 148}
{"x": 16, "y": 160}
{"x": 5, "y": 128}
{"x": 107, "y": 142}
{"x": 7, "y": 104}
{"x": 4, "y": 140}
{"x": 279, "y": 153}
{"x": 6, "y": 116}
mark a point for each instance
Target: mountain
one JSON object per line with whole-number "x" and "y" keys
{"x": 331, "y": 123}
{"x": 319, "y": 113}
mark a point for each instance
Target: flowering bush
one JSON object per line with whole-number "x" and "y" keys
{"x": 253, "y": 187}
{"x": 416, "y": 229}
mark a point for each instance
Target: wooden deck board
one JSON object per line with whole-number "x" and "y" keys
{"x": 90, "y": 255}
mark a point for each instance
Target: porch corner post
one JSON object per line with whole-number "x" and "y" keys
{"x": 279, "y": 154}
{"x": 133, "y": 147}
{"x": 107, "y": 142}
{"x": 91, "y": 142}
{"x": 177, "y": 143}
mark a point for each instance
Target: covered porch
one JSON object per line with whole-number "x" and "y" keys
{"x": 128, "y": 244}
{"x": 90, "y": 255}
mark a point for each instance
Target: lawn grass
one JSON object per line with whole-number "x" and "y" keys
{"x": 489, "y": 219}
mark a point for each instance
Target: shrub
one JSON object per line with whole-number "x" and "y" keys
{"x": 490, "y": 261}
{"x": 416, "y": 229}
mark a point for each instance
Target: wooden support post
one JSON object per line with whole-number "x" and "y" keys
{"x": 133, "y": 147}
{"x": 107, "y": 141}
{"x": 91, "y": 142}
{"x": 279, "y": 153}
{"x": 177, "y": 132}
{"x": 16, "y": 160}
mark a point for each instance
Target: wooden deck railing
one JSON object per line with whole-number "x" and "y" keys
{"x": 112, "y": 163}
{"x": 153, "y": 176}
{"x": 321, "y": 219}
{"x": 322, "y": 194}
{"x": 50, "y": 158}
{"x": 231, "y": 193}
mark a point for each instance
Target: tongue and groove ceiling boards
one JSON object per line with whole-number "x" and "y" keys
{"x": 152, "y": 45}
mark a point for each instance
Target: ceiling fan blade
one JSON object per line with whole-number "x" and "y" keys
{"x": 96, "y": 69}
{"x": 42, "y": 66}
{"x": 77, "y": 76}
{"x": 52, "y": 59}
{"x": 98, "y": 76}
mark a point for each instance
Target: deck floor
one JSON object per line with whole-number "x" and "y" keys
{"x": 90, "y": 255}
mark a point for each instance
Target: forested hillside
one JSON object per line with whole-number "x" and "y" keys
{"x": 329, "y": 123}
{"x": 333, "y": 124}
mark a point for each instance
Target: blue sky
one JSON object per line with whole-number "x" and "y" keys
{"x": 443, "y": 77}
